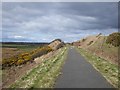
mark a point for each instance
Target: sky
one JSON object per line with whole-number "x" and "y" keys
{"x": 46, "y": 21}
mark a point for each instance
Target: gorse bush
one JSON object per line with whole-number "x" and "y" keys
{"x": 83, "y": 39}
{"x": 25, "y": 57}
{"x": 40, "y": 51}
{"x": 90, "y": 43}
{"x": 99, "y": 34}
{"x": 114, "y": 39}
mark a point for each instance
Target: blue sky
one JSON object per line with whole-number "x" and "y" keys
{"x": 46, "y": 21}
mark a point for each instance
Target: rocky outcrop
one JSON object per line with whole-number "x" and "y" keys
{"x": 56, "y": 44}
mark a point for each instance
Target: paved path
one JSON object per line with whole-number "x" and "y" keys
{"x": 78, "y": 73}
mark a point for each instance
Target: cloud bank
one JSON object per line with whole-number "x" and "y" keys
{"x": 46, "y": 21}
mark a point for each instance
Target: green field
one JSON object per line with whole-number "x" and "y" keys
{"x": 26, "y": 47}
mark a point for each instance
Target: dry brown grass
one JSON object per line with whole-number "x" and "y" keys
{"x": 105, "y": 51}
{"x": 9, "y": 52}
{"x": 88, "y": 40}
{"x": 100, "y": 48}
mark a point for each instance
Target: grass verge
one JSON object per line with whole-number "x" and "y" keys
{"x": 0, "y": 75}
{"x": 44, "y": 75}
{"x": 107, "y": 69}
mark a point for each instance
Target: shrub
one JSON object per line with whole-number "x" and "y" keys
{"x": 114, "y": 39}
{"x": 10, "y": 61}
{"x": 19, "y": 62}
{"x": 83, "y": 40}
{"x": 99, "y": 34}
{"x": 90, "y": 43}
{"x": 41, "y": 51}
{"x": 25, "y": 57}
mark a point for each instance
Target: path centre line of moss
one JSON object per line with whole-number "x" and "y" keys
{"x": 37, "y": 74}
{"x": 107, "y": 69}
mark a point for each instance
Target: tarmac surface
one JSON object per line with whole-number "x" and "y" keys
{"x": 79, "y": 73}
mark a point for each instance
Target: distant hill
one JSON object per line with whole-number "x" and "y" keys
{"x": 24, "y": 43}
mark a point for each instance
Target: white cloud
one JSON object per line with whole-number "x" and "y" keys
{"x": 86, "y": 18}
{"x": 18, "y": 37}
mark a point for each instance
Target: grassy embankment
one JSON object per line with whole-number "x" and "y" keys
{"x": 106, "y": 51}
{"x": 106, "y": 68}
{"x": 0, "y": 75}
{"x": 44, "y": 75}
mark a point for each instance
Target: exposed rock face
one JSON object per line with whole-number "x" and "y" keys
{"x": 56, "y": 44}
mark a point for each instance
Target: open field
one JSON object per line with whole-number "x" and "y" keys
{"x": 22, "y": 46}
{"x": 12, "y": 49}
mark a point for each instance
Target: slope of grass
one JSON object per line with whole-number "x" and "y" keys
{"x": 0, "y": 75}
{"x": 44, "y": 75}
{"x": 107, "y": 69}
{"x": 104, "y": 50}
